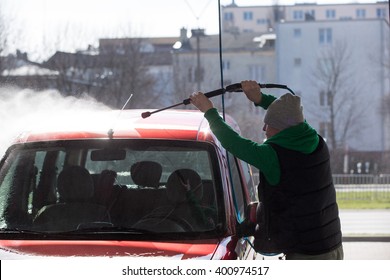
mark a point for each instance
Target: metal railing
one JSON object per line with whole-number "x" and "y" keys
{"x": 362, "y": 186}
{"x": 359, "y": 186}
{"x": 361, "y": 179}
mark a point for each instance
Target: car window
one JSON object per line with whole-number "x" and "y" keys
{"x": 238, "y": 195}
{"x": 248, "y": 177}
{"x": 150, "y": 185}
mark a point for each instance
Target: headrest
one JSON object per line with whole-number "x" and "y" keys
{"x": 182, "y": 181}
{"x": 146, "y": 173}
{"x": 105, "y": 186}
{"x": 107, "y": 178}
{"x": 75, "y": 184}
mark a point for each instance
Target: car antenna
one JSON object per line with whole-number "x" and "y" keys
{"x": 110, "y": 132}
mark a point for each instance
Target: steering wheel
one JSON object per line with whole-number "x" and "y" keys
{"x": 159, "y": 222}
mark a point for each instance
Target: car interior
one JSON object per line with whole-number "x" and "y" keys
{"x": 74, "y": 186}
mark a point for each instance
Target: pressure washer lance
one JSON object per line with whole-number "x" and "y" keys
{"x": 231, "y": 88}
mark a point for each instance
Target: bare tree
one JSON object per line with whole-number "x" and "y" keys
{"x": 334, "y": 80}
{"x": 3, "y": 37}
{"x": 386, "y": 105}
{"x": 385, "y": 63}
{"x": 109, "y": 75}
{"x": 130, "y": 67}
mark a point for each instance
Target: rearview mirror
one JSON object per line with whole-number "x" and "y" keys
{"x": 108, "y": 154}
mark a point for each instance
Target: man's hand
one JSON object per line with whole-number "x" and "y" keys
{"x": 200, "y": 101}
{"x": 252, "y": 91}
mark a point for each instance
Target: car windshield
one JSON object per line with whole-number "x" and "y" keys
{"x": 146, "y": 186}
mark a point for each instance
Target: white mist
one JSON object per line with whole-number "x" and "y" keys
{"x": 24, "y": 110}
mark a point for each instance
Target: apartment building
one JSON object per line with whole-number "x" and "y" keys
{"x": 311, "y": 55}
{"x": 239, "y": 19}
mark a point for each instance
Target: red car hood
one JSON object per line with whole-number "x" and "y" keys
{"x": 16, "y": 249}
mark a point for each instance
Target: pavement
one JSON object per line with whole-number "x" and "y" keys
{"x": 359, "y": 250}
{"x": 366, "y": 234}
{"x": 374, "y": 223}
{"x": 356, "y": 250}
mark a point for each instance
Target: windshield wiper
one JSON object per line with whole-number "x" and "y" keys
{"x": 109, "y": 229}
{"x": 84, "y": 229}
{"x": 20, "y": 230}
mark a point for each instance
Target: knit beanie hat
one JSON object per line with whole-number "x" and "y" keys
{"x": 284, "y": 112}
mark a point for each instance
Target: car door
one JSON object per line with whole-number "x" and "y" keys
{"x": 243, "y": 194}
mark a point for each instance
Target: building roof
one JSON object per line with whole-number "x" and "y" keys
{"x": 29, "y": 70}
{"x": 230, "y": 42}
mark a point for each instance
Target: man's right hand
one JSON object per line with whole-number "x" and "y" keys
{"x": 200, "y": 101}
{"x": 252, "y": 91}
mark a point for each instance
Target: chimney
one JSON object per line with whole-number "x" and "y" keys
{"x": 183, "y": 35}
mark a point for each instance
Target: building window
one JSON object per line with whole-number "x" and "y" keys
{"x": 228, "y": 16}
{"x": 325, "y": 36}
{"x": 360, "y": 13}
{"x": 310, "y": 15}
{"x": 325, "y": 98}
{"x": 322, "y": 98}
{"x": 297, "y": 33}
{"x": 199, "y": 74}
{"x": 262, "y": 21}
{"x": 190, "y": 75}
{"x": 226, "y": 83}
{"x": 330, "y": 14}
{"x": 225, "y": 65}
{"x": 380, "y": 13}
{"x": 256, "y": 72}
{"x": 324, "y": 130}
{"x": 248, "y": 16}
{"x": 298, "y": 15}
{"x": 297, "y": 61}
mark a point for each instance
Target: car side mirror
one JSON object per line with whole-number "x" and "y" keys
{"x": 251, "y": 212}
{"x": 247, "y": 227}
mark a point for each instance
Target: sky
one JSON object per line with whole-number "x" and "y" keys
{"x": 38, "y": 26}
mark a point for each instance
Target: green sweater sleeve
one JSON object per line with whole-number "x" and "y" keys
{"x": 266, "y": 100}
{"x": 262, "y": 156}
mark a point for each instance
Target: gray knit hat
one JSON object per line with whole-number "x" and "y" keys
{"x": 284, "y": 112}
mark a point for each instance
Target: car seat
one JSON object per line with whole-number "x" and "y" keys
{"x": 184, "y": 191}
{"x": 75, "y": 187}
{"x": 104, "y": 187}
{"x": 182, "y": 183}
{"x": 146, "y": 174}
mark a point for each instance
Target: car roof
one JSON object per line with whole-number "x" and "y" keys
{"x": 168, "y": 124}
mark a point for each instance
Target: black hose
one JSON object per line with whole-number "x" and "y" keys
{"x": 230, "y": 88}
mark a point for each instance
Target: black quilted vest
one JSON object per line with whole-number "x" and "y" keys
{"x": 300, "y": 214}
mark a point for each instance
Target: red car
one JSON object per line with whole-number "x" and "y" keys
{"x": 115, "y": 184}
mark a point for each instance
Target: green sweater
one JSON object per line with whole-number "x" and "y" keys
{"x": 302, "y": 138}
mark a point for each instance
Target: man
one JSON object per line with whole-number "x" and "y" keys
{"x": 297, "y": 213}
